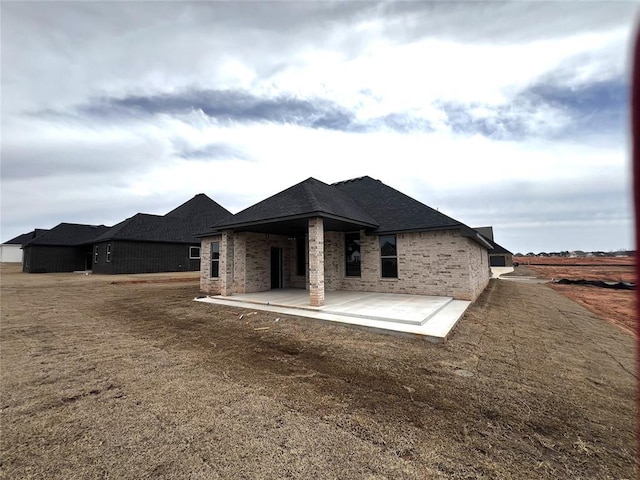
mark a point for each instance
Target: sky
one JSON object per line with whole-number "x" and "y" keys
{"x": 509, "y": 114}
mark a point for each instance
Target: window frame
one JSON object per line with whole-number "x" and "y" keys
{"x": 95, "y": 255}
{"x": 191, "y": 256}
{"x": 215, "y": 260}
{"x": 108, "y": 252}
{"x": 346, "y": 253}
{"x": 388, "y": 257}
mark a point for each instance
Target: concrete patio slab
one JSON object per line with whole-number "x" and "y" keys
{"x": 427, "y": 316}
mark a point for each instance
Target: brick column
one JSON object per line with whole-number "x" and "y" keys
{"x": 316, "y": 262}
{"x": 226, "y": 263}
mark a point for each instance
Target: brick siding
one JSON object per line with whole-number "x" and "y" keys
{"x": 429, "y": 263}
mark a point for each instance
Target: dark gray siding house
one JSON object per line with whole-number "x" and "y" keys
{"x": 153, "y": 243}
{"x": 65, "y": 248}
{"x": 11, "y": 250}
{"x": 498, "y": 255}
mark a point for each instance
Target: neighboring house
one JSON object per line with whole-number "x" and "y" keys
{"x": 65, "y": 248}
{"x": 498, "y": 255}
{"x": 11, "y": 251}
{"x": 306, "y": 237}
{"x": 152, "y": 243}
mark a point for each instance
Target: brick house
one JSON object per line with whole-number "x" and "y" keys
{"x": 358, "y": 234}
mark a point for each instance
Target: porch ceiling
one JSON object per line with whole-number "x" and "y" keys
{"x": 299, "y": 226}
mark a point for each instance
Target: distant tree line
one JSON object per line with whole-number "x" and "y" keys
{"x": 580, "y": 253}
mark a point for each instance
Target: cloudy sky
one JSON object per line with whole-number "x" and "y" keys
{"x": 506, "y": 114}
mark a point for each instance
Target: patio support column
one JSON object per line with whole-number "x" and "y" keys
{"x": 226, "y": 263}
{"x": 316, "y": 261}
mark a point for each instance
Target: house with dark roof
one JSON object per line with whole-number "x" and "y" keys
{"x": 11, "y": 250}
{"x": 498, "y": 255}
{"x": 148, "y": 243}
{"x": 358, "y": 234}
{"x": 64, "y": 248}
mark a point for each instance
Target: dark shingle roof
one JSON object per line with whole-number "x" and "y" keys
{"x": 198, "y": 206}
{"x": 393, "y": 210}
{"x": 177, "y": 226}
{"x": 486, "y": 232}
{"x": 310, "y": 197}
{"x": 26, "y": 237}
{"x": 361, "y": 201}
{"x": 69, "y": 234}
{"x": 150, "y": 228}
{"x": 498, "y": 249}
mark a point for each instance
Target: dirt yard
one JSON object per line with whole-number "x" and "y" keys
{"x": 619, "y": 261}
{"x": 615, "y": 306}
{"x": 135, "y": 380}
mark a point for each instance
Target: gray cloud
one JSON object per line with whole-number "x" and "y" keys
{"x": 498, "y": 22}
{"x": 231, "y": 106}
{"x": 212, "y": 151}
{"x": 129, "y": 76}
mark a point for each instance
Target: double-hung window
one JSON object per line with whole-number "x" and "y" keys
{"x": 215, "y": 259}
{"x": 389, "y": 256}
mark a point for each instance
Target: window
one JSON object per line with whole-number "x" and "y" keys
{"x": 301, "y": 261}
{"x": 108, "y": 252}
{"x": 389, "y": 256}
{"x": 215, "y": 259}
{"x": 95, "y": 255}
{"x": 194, "y": 253}
{"x": 352, "y": 254}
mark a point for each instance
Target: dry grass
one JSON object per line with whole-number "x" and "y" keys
{"x": 615, "y": 306}
{"x": 138, "y": 381}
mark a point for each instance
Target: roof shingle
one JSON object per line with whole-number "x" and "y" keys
{"x": 69, "y": 235}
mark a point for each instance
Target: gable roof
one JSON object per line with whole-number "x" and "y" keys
{"x": 26, "y": 237}
{"x": 177, "y": 226}
{"x": 308, "y": 198}
{"x": 69, "y": 235}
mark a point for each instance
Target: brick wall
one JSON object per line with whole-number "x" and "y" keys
{"x": 429, "y": 263}
{"x": 208, "y": 285}
{"x": 251, "y": 263}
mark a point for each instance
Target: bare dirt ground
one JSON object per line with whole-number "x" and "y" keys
{"x": 103, "y": 380}
{"x": 615, "y": 306}
{"x": 621, "y": 261}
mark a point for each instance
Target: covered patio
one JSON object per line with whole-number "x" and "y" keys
{"x": 429, "y": 317}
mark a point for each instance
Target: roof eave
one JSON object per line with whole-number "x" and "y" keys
{"x": 217, "y": 229}
{"x": 416, "y": 230}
